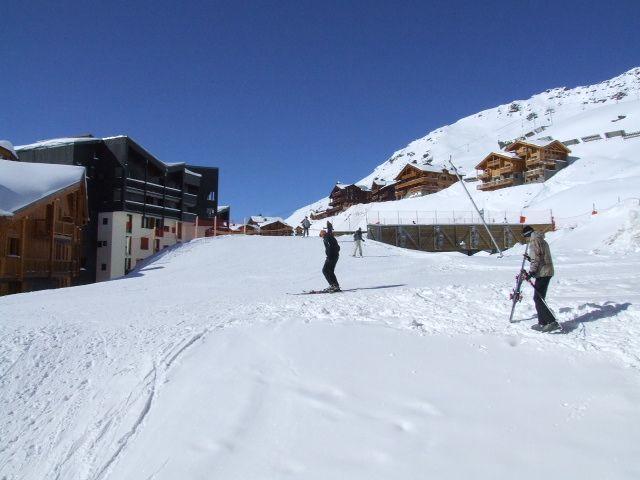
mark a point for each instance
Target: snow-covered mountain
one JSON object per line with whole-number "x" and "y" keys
{"x": 559, "y": 113}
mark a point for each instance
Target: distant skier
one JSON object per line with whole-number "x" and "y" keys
{"x": 357, "y": 238}
{"x": 332, "y": 250}
{"x": 541, "y": 269}
{"x": 305, "y": 227}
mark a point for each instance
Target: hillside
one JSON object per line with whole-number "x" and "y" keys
{"x": 600, "y": 171}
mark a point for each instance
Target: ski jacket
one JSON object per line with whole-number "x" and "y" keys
{"x": 306, "y": 223}
{"x": 358, "y": 235}
{"x": 331, "y": 247}
{"x": 541, "y": 263}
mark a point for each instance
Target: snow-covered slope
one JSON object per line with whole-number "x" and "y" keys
{"x": 199, "y": 365}
{"x": 600, "y": 172}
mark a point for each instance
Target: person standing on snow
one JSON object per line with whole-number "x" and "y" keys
{"x": 541, "y": 269}
{"x": 357, "y": 238}
{"x": 332, "y": 250}
{"x": 305, "y": 227}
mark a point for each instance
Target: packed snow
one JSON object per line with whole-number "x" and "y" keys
{"x": 21, "y": 184}
{"x": 202, "y": 364}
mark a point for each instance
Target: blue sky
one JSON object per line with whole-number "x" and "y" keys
{"x": 289, "y": 97}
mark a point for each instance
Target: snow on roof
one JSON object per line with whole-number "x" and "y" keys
{"x": 222, "y": 208}
{"x": 22, "y": 184}
{"x": 260, "y": 219}
{"x": 7, "y": 145}
{"x": 54, "y": 142}
{"x": 186, "y": 170}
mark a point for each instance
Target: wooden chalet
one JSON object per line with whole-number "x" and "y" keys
{"x": 299, "y": 231}
{"x": 382, "y": 191}
{"x": 414, "y": 180}
{"x": 501, "y": 169}
{"x": 270, "y": 226}
{"x": 43, "y": 209}
{"x": 7, "y": 152}
{"x": 343, "y": 196}
{"x": 542, "y": 158}
{"x": 276, "y": 228}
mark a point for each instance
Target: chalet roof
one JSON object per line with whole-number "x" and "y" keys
{"x": 7, "y": 145}
{"x": 538, "y": 144}
{"x": 223, "y": 208}
{"x": 274, "y": 220}
{"x": 508, "y": 155}
{"x": 422, "y": 168}
{"x": 260, "y": 219}
{"x": 22, "y": 184}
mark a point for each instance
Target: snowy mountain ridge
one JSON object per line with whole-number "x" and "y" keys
{"x": 559, "y": 113}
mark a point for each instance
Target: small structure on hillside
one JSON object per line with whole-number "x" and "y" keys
{"x": 523, "y": 161}
{"x": 43, "y": 209}
{"x": 343, "y": 196}
{"x": 270, "y": 226}
{"x": 501, "y": 169}
{"x": 415, "y": 180}
{"x": 383, "y": 191}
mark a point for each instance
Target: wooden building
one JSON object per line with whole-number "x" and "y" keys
{"x": 523, "y": 161}
{"x": 383, "y": 191}
{"x": 271, "y": 226}
{"x": 542, "y": 159}
{"x": 415, "y": 181}
{"x": 43, "y": 209}
{"x": 277, "y": 228}
{"x": 501, "y": 169}
{"x": 344, "y": 196}
{"x": 7, "y": 152}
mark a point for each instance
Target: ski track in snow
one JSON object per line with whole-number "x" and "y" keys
{"x": 63, "y": 367}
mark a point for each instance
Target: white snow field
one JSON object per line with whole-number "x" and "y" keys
{"x": 201, "y": 365}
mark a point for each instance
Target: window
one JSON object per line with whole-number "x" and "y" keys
{"x": 211, "y": 196}
{"x": 103, "y": 267}
{"x": 105, "y": 221}
{"x": 129, "y": 223}
{"x": 14, "y": 247}
{"x": 144, "y": 243}
{"x": 148, "y": 222}
{"x": 166, "y": 228}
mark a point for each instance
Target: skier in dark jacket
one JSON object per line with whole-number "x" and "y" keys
{"x": 542, "y": 270}
{"x": 332, "y": 250}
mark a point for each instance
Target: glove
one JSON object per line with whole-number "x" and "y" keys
{"x": 526, "y": 274}
{"x": 527, "y": 257}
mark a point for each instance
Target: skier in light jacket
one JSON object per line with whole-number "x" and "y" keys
{"x": 357, "y": 239}
{"x": 541, "y": 269}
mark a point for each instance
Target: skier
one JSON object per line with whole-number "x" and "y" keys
{"x": 357, "y": 238}
{"x": 305, "y": 227}
{"x": 332, "y": 250}
{"x": 541, "y": 269}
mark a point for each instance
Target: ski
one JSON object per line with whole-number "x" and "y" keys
{"x": 316, "y": 292}
{"x": 516, "y": 293}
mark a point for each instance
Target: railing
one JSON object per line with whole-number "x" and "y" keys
{"x": 444, "y": 217}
